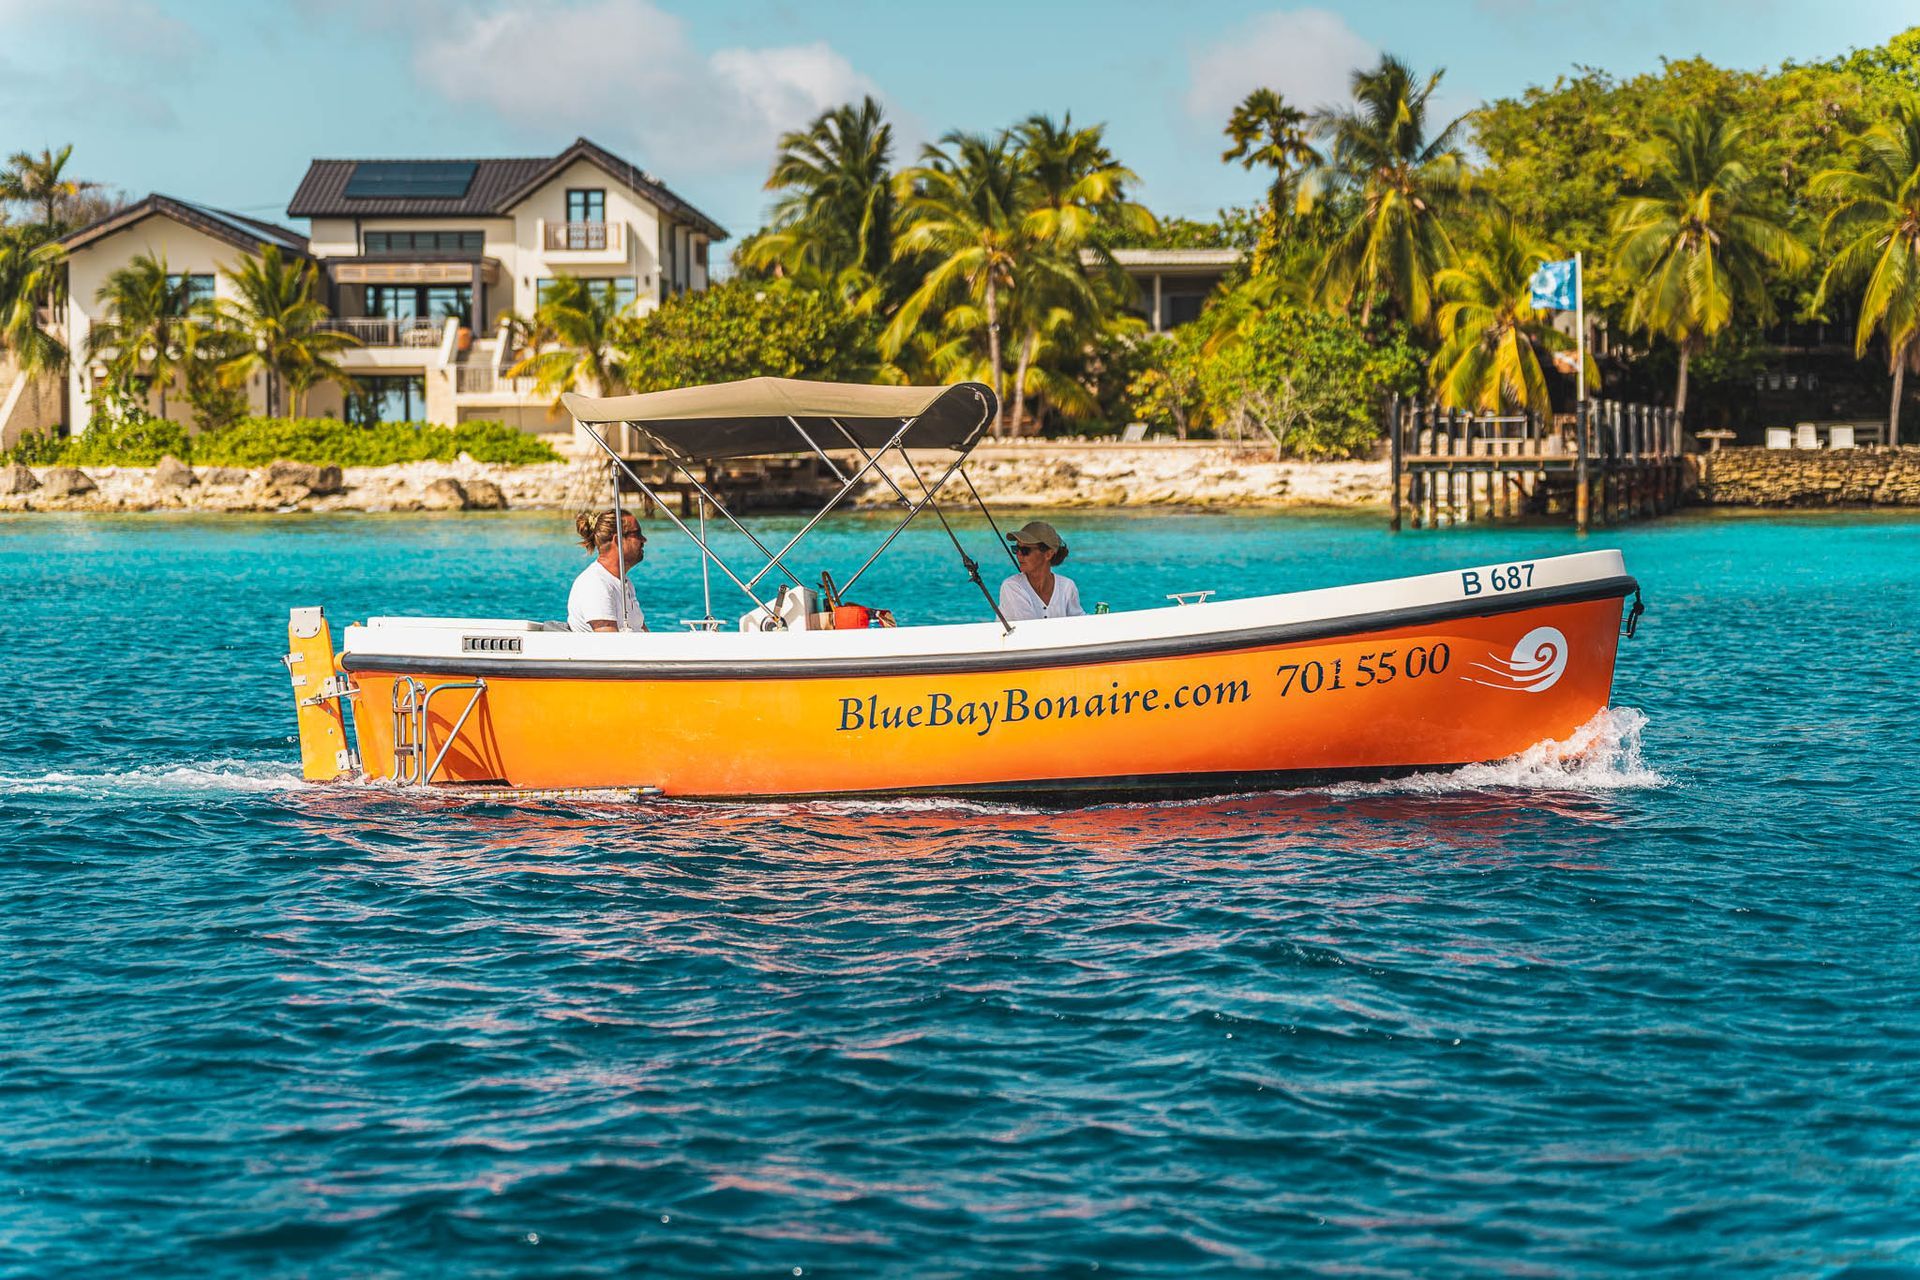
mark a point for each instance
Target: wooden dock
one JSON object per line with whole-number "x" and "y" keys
{"x": 1611, "y": 462}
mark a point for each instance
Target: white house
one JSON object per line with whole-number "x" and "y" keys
{"x": 420, "y": 260}
{"x": 417, "y": 251}
{"x": 195, "y": 241}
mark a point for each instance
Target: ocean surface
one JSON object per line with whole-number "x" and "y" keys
{"x": 1647, "y": 1003}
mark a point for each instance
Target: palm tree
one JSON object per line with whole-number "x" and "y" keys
{"x": 1876, "y": 224}
{"x": 1075, "y": 195}
{"x": 1490, "y": 332}
{"x": 835, "y": 218}
{"x": 1267, "y": 133}
{"x": 32, "y": 283}
{"x": 149, "y": 311}
{"x": 574, "y": 342}
{"x": 1410, "y": 190}
{"x": 1076, "y": 189}
{"x": 276, "y": 322}
{"x": 41, "y": 180}
{"x": 1692, "y": 246}
{"x": 962, "y": 207}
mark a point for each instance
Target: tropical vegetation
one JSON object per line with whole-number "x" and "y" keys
{"x": 1733, "y": 226}
{"x": 1874, "y": 231}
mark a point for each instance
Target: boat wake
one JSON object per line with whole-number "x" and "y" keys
{"x": 248, "y": 777}
{"x": 1602, "y": 755}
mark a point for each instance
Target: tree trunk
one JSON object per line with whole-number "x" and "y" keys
{"x": 1020, "y": 381}
{"x": 1680, "y": 391}
{"x": 1899, "y": 380}
{"x": 993, "y": 353}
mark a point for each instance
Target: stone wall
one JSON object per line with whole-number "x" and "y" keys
{"x": 1811, "y": 478}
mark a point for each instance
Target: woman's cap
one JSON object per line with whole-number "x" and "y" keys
{"x": 1037, "y": 533}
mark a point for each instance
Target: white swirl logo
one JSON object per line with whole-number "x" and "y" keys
{"x": 1535, "y": 665}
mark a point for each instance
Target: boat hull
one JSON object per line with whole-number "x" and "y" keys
{"x": 1363, "y": 700}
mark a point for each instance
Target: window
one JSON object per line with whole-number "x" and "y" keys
{"x": 389, "y": 399}
{"x": 586, "y": 205}
{"x": 620, "y": 290}
{"x": 435, "y": 302}
{"x": 384, "y": 242}
{"x": 199, "y": 289}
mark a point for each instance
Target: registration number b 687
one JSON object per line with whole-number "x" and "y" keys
{"x": 1505, "y": 577}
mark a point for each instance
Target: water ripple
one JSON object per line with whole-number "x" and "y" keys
{"x": 1642, "y": 1002}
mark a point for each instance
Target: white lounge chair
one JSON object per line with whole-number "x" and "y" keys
{"x": 1806, "y": 435}
{"x": 1779, "y": 438}
{"x": 1840, "y": 437}
{"x": 1133, "y": 433}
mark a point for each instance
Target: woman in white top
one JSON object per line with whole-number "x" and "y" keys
{"x": 602, "y": 599}
{"x": 1037, "y": 591}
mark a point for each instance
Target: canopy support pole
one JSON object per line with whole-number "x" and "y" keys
{"x": 972, "y": 566}
{"x": 914, "y": 511}
{"x": 706, "y": 577}
{"x": 619, "y": 549}
{"x": 667, "y": 511}
{"x": 832, "y": 502}
{"x": 838, "y": 474}
{"x": 721, "y": 507}
{"x": 898, "y": 492}
{"x": 993, "y": 524}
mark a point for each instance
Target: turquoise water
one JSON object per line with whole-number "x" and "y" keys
{"x": 1651, "y": 1006}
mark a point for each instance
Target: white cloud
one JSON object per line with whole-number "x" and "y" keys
{"x": 1305, "y": 54}
{"x": 627, "y": 71}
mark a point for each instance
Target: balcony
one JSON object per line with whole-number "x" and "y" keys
{"x": 384, "y": 331}
{"x": 486, "y": 380}
{"x": 566, "y": 237}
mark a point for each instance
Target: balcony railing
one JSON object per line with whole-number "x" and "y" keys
{"x": 383, "y": 331}
{"x": 583, "y": 235}
{"x": 485, "y": 379}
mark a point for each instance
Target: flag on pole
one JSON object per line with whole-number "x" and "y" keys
{"x": 1553, "y": 286}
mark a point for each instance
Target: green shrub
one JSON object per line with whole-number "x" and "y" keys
{"x": 134, "y": 441}
{"x": 36, "y": 450}
{"x": 254, "y": 442}
{"x": 1309, "y": 382}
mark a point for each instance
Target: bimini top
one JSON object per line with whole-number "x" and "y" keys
{"x": 759, "y": 415}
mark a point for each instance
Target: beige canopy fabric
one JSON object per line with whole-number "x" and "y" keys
{"x": 736, "y": 419}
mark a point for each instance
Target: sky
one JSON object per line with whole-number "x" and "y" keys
{"x": 225, "y": 101}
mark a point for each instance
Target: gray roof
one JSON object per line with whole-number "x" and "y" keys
{"x": 498, "y": 185}
{"x": 238, "y": 230}
{"x": 1221, "y": 258}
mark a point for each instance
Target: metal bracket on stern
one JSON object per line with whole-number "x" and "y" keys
{"x": 319, "y": 691}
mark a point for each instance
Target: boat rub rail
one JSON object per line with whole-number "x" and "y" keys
{"x": 1614, "y": 587}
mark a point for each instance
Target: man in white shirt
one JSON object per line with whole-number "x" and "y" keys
{"x": 602, "y": 599}
{"x": 1037, "y": 591}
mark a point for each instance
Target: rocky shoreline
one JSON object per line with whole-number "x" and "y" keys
{"x": 1037, "y": 474}
{"x": 1032, "y": 474}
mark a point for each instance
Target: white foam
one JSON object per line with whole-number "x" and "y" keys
{"x": 230, "y": 776}
{"x": 1604, "y": 754}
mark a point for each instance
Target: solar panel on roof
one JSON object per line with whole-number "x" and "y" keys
{"x": 415, "y": 179}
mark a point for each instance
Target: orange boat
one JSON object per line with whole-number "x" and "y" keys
{"x": 1368, "y": 680}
